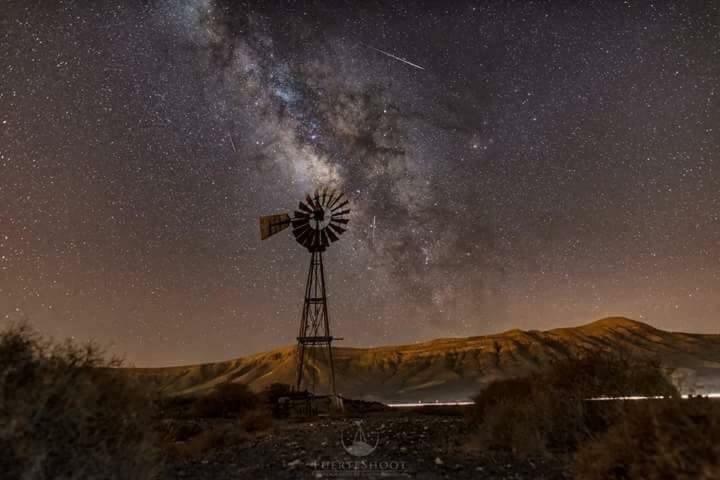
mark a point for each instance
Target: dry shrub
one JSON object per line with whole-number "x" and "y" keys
{"x": 273, "y": 392}
{"x": 205, "y": 443}
{"x": 64, "y": 414}
{"x": 657, "y": 440}
{"x": 257, "y": 421}
{"x": 604, "y": 374}
{"x": 171, "y": 431}
{"x": 526, "y": 418}
{"x": 176, "y": 406}
{"x": 549, "y": 412}
{"x": 226, "y": 401}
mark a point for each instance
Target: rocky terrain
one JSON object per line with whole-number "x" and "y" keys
{"x": 409, "y": 445}
{"x": 456, "y": 368}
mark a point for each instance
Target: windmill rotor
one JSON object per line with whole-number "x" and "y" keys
{"x": 318, "y": 221}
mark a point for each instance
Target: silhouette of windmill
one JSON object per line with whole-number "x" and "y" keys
{"x": 318, "y": 222}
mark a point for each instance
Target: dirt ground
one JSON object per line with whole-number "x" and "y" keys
{"x": 399, "y": 444}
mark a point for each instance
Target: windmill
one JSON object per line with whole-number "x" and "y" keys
{"x": 318, "y": 222}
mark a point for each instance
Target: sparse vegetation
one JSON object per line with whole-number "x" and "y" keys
{"x": 548, "y": 413}
{"x": 227, "y": 400}
{"x": 203, "y": 442}
{"x": 655, "y": 440}
{"x": 272, "y": 395}
{"x": 257, "y": 421}
{"x": 274, "y": 391}
{"x": 65, "y": 414}
{"x": 177, "y": 406}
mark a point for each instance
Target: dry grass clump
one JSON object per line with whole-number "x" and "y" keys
{"x": 192, "y": 440}
{"x": 548, "y": 413}
{"x": 273, "y": 392}
{"x": 271, "y": 396}
{"x": 228, "y": 400}
{"x": 65, "y": 414}
{"x": 206, "y": 442}
{"x": 176, "y": 406}
{"x": 257, "y": 421}
{"x": 196, "y": 431}
{"x": 657, "y": 440}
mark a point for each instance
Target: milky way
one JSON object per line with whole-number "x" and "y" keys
{"x": 549, "y": 165}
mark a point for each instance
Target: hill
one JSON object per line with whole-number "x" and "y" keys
{"x": 456, "y": 368}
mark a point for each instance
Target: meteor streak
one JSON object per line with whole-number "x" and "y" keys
{"x": 396, "y": 57}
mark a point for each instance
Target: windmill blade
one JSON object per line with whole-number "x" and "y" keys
{"x": 310, "y": 202}
{"x": 338, "y": 214}
{"x": 300, "y": 222}
{"x": 324, "y": 237}
{"x": 300, "y": 232}
{"x": 300, "y": 226}
{"x": 333, "y": 237}
{"x": 303, "y": 235}
{"x": 341, "y": 205}
{"x": 335, "y": 201}
{"x": 330, "y": 198}
{"x": 315, "y": 238}
{"x": 338, "y": 230}
{"x": 324, "y": 195}
{"x": 297, "y": 215}
{"x": 340, "y": 220}
{"x": 317, "y": 199}
{"x": 272, "y": 224}
{"x": 304, "y": 207}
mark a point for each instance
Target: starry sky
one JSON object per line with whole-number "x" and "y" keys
{"x": 530, "y": 165}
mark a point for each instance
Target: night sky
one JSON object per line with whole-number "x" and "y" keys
{"x": 540, "y": 165}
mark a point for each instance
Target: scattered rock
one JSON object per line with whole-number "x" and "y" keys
{"x": 412, "y": 440}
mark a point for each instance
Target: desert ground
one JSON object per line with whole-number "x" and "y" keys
{"x": 410, "y": 444}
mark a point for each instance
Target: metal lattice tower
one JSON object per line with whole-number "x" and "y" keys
{"x": 315, "y": 324}
{"x": 319, "y": 221}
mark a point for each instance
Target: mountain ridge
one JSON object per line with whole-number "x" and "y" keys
{"x": 456, "y": 368}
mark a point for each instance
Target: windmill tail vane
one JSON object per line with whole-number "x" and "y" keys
{"x": 318, "y": 222}
{"x": 273, "y": 224}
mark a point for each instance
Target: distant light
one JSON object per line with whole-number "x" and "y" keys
{"x": 460, "y": 403}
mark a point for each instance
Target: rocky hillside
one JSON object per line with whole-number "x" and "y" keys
{"x": 456, "y": 368}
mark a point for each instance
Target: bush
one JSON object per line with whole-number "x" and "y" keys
{"x": 522, "y": 417}
{"x": 205, "y": 443}
{"x": 176, "y": 406}
{"x": 226, "y": 401}
{"x": 65, "y": 414}
{"x": 654, "y": 440}
{"x": 275, "y": 391}
{"x": 272, "y": 394}
{"x": 257, "y": 421}
{"x": 172, "y": 431}
{"x": 550, "y": 412}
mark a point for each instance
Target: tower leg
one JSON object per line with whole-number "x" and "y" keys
{"x": 300, "y": 366}
{"x": 331, "y": 363}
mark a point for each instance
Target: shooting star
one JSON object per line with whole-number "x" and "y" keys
{"x": 396, "y": 57}
{"x": 232, "y": 142}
